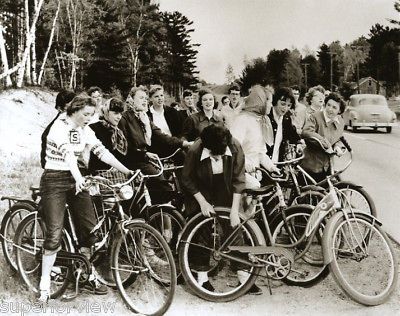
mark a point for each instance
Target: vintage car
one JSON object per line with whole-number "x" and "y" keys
{"x": 369, "y": 110}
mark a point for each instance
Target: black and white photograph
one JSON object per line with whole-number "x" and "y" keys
{"x": 199, "y": 157}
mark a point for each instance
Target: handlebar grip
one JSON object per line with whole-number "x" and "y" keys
{"x": 345, "y": 143}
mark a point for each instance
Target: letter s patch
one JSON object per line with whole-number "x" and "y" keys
{"x": 74, "y": 137}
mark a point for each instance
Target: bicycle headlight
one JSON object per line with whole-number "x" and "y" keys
{"x": 126, "y": 192}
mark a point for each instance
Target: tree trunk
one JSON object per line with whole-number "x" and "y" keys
{"x": 4, "y": 59}
{"x": 33, "y": 60}
{"x": 28, "y": 59}
{"x": 50, "y": 43}
{"x": 27, "y": 46}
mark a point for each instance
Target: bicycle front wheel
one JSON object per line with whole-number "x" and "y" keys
{"x": 141, "y": 256}
{"x": 363, "y": 262}
{"x": 200, "y": 252}
{"x": 9, "y": 225}
{"x": 356, "y": 197}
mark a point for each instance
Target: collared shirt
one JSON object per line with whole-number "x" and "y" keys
{"x": 195, "y": 124}
{"x": 278, "y": 136}
{"x": 67, "y": 143}
{"x": 328, "y": 120}
{"x": 160, "y": 121}
{"x": 216, "y": 161}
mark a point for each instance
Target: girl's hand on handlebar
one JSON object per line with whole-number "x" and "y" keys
{"x": 339, "y": 151}
{"x": 186, "y": 144}
{"x": 152, "y": 156}
{"x": 80, "y": 185}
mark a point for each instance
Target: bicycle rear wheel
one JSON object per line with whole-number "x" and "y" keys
{"x": 310, "y": 268}
{"x": 142, "y": 256}
{"x": 29, "y": 239}
{"x": 9, "y": 225}
{"x": 363, "y": 262}
{"x": 199, "y": 251}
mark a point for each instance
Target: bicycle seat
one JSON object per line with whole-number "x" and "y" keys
{"x": 259, "y": 191}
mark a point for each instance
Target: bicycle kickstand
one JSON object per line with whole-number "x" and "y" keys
{"x": 72, "y": 296}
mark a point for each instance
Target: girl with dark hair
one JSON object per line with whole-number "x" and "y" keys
{"x": 195, "y": 123}
{"x": 107, "y": 131}
{"x": 327, "y": 126}
{"x": 284, "y": 132}
{"x": 62, "y": 182}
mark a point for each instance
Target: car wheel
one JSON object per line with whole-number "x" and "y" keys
{"x": 353, "y": 127}
{"x": 388, "y": 129}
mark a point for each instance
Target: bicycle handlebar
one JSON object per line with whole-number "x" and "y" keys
{"x": 291, "y": 161}
{"x": 106, "y": 182}
{"x": 172, "y": 155}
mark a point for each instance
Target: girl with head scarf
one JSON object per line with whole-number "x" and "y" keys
{"x": 252, "y": 128}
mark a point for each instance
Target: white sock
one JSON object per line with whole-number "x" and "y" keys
{"x": 202, "y": 277}
{"x": 242, "y": 276}
{"x": 47, "y": 265}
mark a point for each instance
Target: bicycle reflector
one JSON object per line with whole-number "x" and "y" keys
{"x": 126, "y": 192}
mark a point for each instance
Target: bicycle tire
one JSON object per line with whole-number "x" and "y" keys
{"x": 367, "y": 203}
{"x": 9, "y": 224}
{"x": 142, "y": 255}
{"x": 310, "y": 268}
{"x": 347, "y": 259}
{"x": 24, "y": 244}
{"x": 219, "y": 269}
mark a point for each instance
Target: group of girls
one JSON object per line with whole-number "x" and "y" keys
{"x": 223, "y": 147}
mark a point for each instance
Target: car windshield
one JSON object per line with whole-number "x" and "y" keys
{"x": 369, "y": 100}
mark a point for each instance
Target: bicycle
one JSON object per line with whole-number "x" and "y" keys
{"x": 18, "y": 209}
{"x": 358, "y": 197}
{"x": 277, "y": 259}
{"x": 141, "y": 262}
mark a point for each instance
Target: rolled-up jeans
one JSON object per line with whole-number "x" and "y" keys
{"x": 58, "y": 189}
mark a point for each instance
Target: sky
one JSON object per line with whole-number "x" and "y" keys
{"x": 231, "y": 30}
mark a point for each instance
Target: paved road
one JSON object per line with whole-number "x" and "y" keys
{"x": 376, "y": 166}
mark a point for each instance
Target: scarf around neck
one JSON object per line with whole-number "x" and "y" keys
{"x": 256, "y": 105}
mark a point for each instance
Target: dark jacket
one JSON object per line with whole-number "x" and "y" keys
{"x": 104, "y": 134}
{"x": 197, "y": 175}
{"x": 195, "y": 123}
{"x": 137, "y": 146}
{"x": 289, "y": 134}
{"x": 44, "y": 141}
{"x": 173, "y": 118}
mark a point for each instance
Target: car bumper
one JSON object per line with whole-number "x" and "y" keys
{"x": 373, "y": 124}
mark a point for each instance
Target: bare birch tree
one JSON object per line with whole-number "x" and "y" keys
{"x": 4, "y": 59}
{"x": 29, "y": 39}
{"x": 53, "y": 27}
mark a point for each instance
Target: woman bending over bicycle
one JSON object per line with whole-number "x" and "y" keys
{"x": 62, "y": 182}
{"x": 213, "y": 175}
{"x": 327, "y": 126}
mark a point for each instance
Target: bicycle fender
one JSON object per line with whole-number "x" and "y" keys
{"x": 165, "y": 206}
{"x": 348, "y": 182}
{"x": 328, "y": 231}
